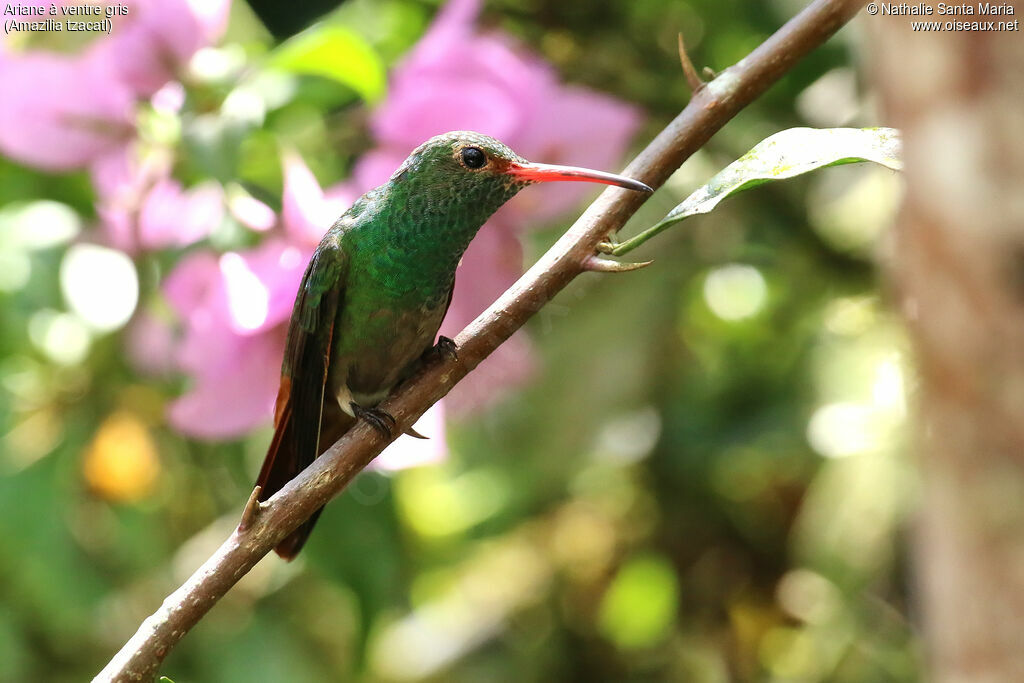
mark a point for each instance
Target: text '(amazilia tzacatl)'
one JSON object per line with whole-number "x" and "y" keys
{"x": 376, "y": 289}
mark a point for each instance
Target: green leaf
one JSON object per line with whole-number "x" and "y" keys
{"x": 334, "y": 52}
{"x": 784, "y": 155}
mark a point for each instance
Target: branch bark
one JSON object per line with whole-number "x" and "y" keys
{"x": 709, "y": 109}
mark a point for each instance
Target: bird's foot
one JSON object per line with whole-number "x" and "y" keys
{"x": 378, "y": 419}
{"x": 444, "y": 349}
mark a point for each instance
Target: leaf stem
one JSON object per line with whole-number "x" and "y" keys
{"x": 615, "y": 248}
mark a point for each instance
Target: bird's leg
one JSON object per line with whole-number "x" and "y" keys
{"x": 444, "y": 349}
{"x": 378, "y": 419}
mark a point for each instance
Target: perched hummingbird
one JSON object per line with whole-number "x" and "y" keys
{"x": 376, "y": 289}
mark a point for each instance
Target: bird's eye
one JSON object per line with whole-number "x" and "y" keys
{"x": 473, "y": 157}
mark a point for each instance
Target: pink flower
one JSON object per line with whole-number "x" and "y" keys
{"x": 168, "y": 216}
{"x": 142, "y": 208}
{"x": 59, "y": 112}
{"x": 173, "y": 217}
{"x": 251, "y": 212}
{"x": 233, "y": 309}
{"x": 306, "y": 209}
{"x": 154, "y": 42}
{"x": 151, "y": 344}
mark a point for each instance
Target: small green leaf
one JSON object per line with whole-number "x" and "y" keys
{"x": 791, "y": 153}
{"x": 787, "y": 154}
{"x": 334, "y": 52}
{"x": 165, "y": 679}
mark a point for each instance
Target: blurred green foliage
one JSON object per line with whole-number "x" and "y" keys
{"x": 703, "y": 483}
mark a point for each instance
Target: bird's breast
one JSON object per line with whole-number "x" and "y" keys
{"x": 378, "y": 341}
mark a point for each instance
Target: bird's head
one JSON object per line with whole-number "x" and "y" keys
{"x": 463, "y": 169}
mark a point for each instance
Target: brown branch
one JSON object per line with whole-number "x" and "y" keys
{"x": 251, "y": 509}
{"x": 711, "y": 108}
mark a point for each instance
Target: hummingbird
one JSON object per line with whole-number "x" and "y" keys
{"x": 376, "y": 289}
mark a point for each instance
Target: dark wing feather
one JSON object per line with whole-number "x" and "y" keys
{"x": 298, "y": 413}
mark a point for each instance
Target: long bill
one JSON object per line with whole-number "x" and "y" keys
{"x": 543, "y": 173}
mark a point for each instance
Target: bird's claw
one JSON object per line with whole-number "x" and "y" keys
{"x": 378, "y": 419}
{"x": 444, "y": 349}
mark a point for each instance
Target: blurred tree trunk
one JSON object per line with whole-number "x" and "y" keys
{"x": 958, "y": 268}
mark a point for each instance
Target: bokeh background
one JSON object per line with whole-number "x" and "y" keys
{"x": 694, "y": 472}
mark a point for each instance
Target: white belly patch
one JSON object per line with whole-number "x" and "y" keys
{"x": 346, "y": 398}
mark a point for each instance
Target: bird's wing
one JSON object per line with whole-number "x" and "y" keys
{"x": 298, "y": 412}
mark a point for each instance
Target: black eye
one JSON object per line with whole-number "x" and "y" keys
{"x": 473, "y": 157}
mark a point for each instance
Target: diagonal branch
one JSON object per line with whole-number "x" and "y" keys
{"x": 267, "y": 524}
